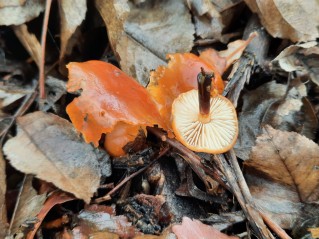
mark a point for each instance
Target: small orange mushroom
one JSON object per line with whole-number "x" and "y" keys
{"x": 110, "y": 101}
{"x": 167, "y": 82}
{"x": 204, "y": 123}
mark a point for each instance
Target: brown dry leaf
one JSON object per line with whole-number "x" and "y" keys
{"x": 3, "y": 188}
{"x": 49, "y": 147}
{"x": 72, "y": 13}
{"x": 54, "y": 199}
{"x": 282, "y": 174}
{"x": 300, "y": 57}
{"x": 29, "y": 204}
{"x": 194, "y": 229}
{"x": 142, "y": 36}
{"x": 286, "y": 112}
{"x": 29, "y": 41}
{"x": 16, "y": 14}
{"x": 296, "y": 20}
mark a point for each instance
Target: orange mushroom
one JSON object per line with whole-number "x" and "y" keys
{"x": 110, "y": 100}
{"x": 166, "y": 83}
{"x": 120, "y": 136}
{"x": 204, "y": 123}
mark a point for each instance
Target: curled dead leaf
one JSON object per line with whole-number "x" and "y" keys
{"x": 141, "y": 35}
{"x": 294, "y": 20}
{"x": 16, "y": 14}
{"x": 51, "y": 149}
{"x": 283, "y": 175}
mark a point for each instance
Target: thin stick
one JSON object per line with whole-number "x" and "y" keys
{"x": 125, "y": 180}
{"x": 253, "y": 217}
{"x": 27, "y": 102}
{"x": 192, "y": 159}
{"x": 274, "y": 226}
{"x": 43, "y": 44}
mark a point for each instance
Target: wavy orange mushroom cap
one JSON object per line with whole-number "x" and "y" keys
{"x": 204, "y": 123}
{"x": 109, "y": 101}
{"x": 167, "y": 83}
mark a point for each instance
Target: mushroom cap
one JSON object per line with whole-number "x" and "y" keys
{"x": 217, "y": 134}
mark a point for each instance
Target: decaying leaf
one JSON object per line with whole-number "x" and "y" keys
{"x": 16, "y": 14}
{"x": 50, "y": 148}
{"x": 109, "y": 97}
{"x": 282, "y": 174}
{"x": 166, "y": 83}
{"x": 72, "y": 14}
{"x": 142, "y": 35}
{"x": 295, "y": 20}
{"x": 96, "y": 219}
{"x": 55, "y": 89}
{"x": 300, "y": 57}
{"x": 286, "y": 112}
{"x": 29, "y": 204}
{"x": 149, "y": 213}
{"x": 3, "y": 187}
{"x": 194, "y": 229}
{"x": 54, "y": 199}
{"x": 29, "y": 41}
{"x": 211, "y": 18}
{"x": 12, "y": 3}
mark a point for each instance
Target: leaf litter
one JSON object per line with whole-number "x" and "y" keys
{"x": 154, "y": 182}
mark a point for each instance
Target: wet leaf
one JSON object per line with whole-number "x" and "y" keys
{"x": 295, "y": 20}
{"x": 180, "y": 76}
{"x": 29, "y": 204}
{"x": 16, "y": 14}
{"x": 142, "y": 35}
{"x": 72, "y": 14}
{"x": 300, "y": 57}
{"x": 283, "y": 175}
{"x": 286, "y": 112}
{"x": 194, "y": 229}
{"x": 50, "y": 148}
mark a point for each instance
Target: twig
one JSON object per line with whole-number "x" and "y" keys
{"x": 191, "y": 158}
{"x": 43, "y": 44}
{"x": 125, "y": 180}
{"x": 254, "y": 55}
{"x": 27, "y": 102}
{"x": 273, "y": 226}
{"x": 253, "y": 217}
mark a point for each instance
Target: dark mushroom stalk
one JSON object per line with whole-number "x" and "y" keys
{"x": 202, "y": 121}
{"x": 204, "y": 81}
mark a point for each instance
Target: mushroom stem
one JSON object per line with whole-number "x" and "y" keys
{"x": 204, "y": 81}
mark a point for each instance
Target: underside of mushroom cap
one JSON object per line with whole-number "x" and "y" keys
{"x": 218, "y": 134}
